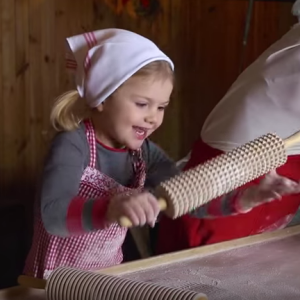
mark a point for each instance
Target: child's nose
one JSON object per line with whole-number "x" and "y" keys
{"x": 151, "y": 118}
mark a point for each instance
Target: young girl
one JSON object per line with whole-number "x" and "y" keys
{"x": 265, "y": 98}
{"x": 101, "y": 160}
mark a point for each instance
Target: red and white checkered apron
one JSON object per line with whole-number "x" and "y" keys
{"x": 94, "y": 250}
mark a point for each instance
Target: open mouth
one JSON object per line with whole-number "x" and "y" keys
{"x": 140, "y": 132}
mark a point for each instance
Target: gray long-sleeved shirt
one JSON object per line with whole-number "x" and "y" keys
{"x": 69, "y": 155}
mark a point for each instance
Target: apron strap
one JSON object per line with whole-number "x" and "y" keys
{"x": 90, "y": 133}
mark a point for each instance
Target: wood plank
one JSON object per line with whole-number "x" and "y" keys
{"x": 36, "y": 97}
{"x": 9, "y": 105}
{"x": 48, "y": 66}
{"x": 22, "y": 93}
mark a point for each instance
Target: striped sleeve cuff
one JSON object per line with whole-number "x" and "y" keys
{"x": 226, "y": 205}
{"x": 94, "y": 214}
{"x": 85, "y": 215}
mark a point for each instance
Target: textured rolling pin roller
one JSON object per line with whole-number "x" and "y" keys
{"x": 71, "y": 284}
{"x": 221, "y": 175}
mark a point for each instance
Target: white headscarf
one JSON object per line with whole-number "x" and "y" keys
{"x": 265, "y": 98}
{"x": 104, "y": 59}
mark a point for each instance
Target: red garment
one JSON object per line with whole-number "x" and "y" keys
{"x": 188, "y": 232}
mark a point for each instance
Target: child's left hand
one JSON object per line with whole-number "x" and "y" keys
{"x": 272, "y": 187}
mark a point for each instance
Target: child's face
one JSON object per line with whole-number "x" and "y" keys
{"x": 134, "y": 112}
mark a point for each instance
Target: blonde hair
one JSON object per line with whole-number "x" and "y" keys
{"x": 70, "y": 110}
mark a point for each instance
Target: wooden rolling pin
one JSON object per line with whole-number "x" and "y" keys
{"x": 218, "y": 176}
{"x": 72, "y": 284}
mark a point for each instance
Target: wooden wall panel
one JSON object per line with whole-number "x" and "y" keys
{"x": 203, "y": 37}
{"x": 213, "y": 34}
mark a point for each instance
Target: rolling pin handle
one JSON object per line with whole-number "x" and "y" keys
{"x": 125, "y": 222}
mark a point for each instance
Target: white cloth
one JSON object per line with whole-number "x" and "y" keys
{"x": 180, "y": 164}
{"x": 105, "y": 59}
{"x": 265, "y": 98}
{"x": 296, "y": 9}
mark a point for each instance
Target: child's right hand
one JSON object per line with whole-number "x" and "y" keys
{"x": 272, "y": 187}
{"x": 140, "y": 208}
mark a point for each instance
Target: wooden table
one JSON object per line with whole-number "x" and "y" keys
{"x": 265, "y": 266}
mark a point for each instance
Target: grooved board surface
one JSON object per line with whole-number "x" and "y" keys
{"x": 262, "y": 267}
{"x": 264, "y": 271}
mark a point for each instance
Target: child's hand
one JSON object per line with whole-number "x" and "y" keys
{"x": 140, "y": 208}
{"x": 272, "y": 187}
